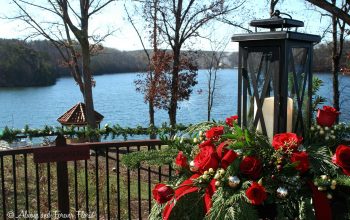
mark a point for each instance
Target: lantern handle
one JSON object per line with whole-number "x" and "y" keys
{"x": 277, "y": 14}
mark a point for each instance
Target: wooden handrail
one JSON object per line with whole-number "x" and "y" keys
{"x": 92, "y": 145}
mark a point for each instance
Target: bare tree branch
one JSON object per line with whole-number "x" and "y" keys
{"x": 138, "y": 34}
{"x": 332, "y": 9}
{"x": 35, "y": 5}
{"x": 100, "y": 7}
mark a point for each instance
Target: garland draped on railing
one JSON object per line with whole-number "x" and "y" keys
{"x": 113, "y": 131}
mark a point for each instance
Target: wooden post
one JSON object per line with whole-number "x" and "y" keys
{"x": 61, "y": 153}
{"x": 62, "y": 182}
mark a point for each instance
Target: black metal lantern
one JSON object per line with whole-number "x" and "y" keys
{"x": 275, "y": 77}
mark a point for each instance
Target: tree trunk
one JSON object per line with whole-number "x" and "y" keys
{"x": 83, "y": 38}
{"x": 88, "y": 98}
{"x": 209, "y": 106}
{"x": 174, "y": 88}
{"x": 335, "y": 63}
{"x": 176, "y": 64}
{"x": 151, "y": 117}
{"x": 209, "y": 93}
{"x": 155, "y": 35}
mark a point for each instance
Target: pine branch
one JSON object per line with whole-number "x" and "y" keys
{"x": 229, "y": 204}
{"x": 156, "y": 212}
{"x": 343, "y": 180}
{"x": 320, "y": 160}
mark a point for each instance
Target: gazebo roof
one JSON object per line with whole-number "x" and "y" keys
{"x": 77, "y": 116}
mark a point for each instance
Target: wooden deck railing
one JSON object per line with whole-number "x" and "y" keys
{"x": 98, "y": 188}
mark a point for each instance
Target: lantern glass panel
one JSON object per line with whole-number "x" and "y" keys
{"x": 298, "y": 81}
{"x": 261, "y": 67}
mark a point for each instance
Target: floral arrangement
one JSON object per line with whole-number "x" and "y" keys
{"x": 226, "y": 172}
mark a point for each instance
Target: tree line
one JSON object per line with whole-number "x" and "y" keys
{"x": 322, "y": 57}
{"x": 21, "y": 65}
{"x": 38, "y": 63}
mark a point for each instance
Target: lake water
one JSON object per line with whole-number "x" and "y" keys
{"x": 115, "y": 98}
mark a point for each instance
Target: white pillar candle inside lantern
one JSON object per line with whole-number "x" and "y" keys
{"x": 268, "y": 114}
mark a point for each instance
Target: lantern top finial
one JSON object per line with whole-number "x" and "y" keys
{"x": 277, "y": 22}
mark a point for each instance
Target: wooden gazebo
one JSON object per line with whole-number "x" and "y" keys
{"x": 76, "y": 116}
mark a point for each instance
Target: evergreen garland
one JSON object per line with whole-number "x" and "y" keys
{"x": 113, "y": 132}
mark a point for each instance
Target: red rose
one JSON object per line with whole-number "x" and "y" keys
{"x": 181, "y": 160}
{"x": 231, "y": 120}
{"x": 227, "y": 156}
{"x": 303, "y": 159}
{"x": 214, "y": 132}
{"x": 162, "y": 193}
{"x": 327, "y": 116}
{"x": 286, "y": 141}
{"x": 251, "y": 167}
{"x": 342, "y": 158}
{"x": 206, "y": 158}
{"x": 256, "y": 193}
{"x": 206, "y": 143}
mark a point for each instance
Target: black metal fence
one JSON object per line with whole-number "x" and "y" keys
{"x": 99, "y": 188}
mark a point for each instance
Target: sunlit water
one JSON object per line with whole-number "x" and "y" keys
{"x": 115, "y": 98}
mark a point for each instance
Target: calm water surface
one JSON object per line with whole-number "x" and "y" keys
{"x": 115, "y": 98}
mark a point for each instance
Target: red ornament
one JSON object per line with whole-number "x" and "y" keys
{"x": 162, "y": 193}
{"x": 256, "y": 193}
{"x": 327, "y": 116}
{"x": 342, "y": 158}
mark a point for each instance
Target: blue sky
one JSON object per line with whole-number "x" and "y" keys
{"x": 125, "y": 38}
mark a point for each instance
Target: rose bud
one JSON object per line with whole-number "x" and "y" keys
{"x": 181, "y": 160}
{"x": 162, "y": 193}
{"x": 256, "y": 194}
{"x": 251, "y": 167}
{"x": 342, "y": 158}
{"x": 327, "y": 116}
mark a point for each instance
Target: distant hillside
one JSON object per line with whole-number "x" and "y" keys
{"x": 38, "y": 63}
{"x": 109, "y": 60}
{"x": 21, "y": 65}
{"x": 322, "y": 59}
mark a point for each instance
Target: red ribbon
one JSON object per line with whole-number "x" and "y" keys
{"x": 226, "y": 156}
{"x": 187, "y": 187}
{"x": 321, "y": 203}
